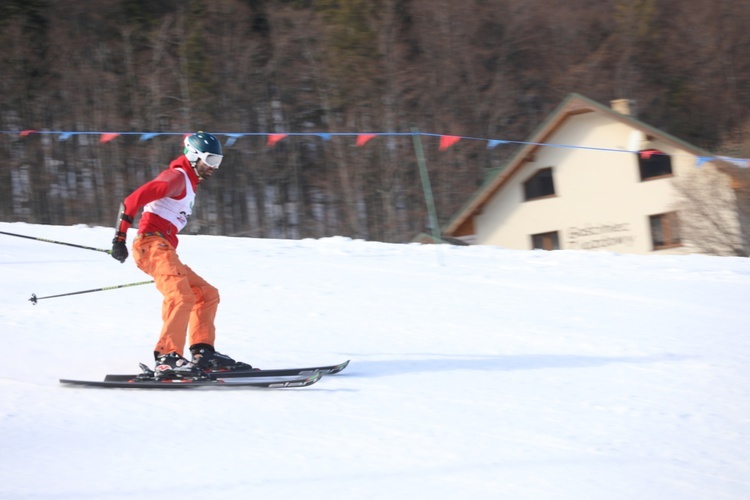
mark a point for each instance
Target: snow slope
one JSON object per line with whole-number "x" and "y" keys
{"x": 476, "y": 373}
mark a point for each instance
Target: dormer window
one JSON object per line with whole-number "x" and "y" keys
{"x": 654, "y": 163}
{"x": 540, "y": 185}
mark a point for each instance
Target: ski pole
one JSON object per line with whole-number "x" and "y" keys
{"x": 57, "y": 242}
{"x": 34, "y": 298}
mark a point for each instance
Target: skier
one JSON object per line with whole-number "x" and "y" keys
{"x": 190, "y": 302}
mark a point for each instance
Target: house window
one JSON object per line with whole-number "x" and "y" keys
{"x": 665, "y": 230}
{"x": 545, "y": 241}
{"x": 654, "y": 163}
{"x": 540, "y": 185}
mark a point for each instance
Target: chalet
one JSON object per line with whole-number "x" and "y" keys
{"x": 595, "y": 177}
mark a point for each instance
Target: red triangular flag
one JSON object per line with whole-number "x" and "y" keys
{"x": 108, "y": 137}
{"x": 363, "y": 138}
{"x": 274, "y": 138}
{"x": 646, "y": 154}
{"x": 24, "y": 133}
{"x": 447, "y": 141}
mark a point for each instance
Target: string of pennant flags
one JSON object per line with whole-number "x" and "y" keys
{"x": 361, "y": 139}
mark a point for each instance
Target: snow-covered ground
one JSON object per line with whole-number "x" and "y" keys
{"x": 476, "y": 373}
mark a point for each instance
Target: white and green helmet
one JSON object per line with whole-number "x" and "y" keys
{"x": 203, "y": 146}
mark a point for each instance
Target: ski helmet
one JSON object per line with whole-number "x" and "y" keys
{"x": 203, "y": 146}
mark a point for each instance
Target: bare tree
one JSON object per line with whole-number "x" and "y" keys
{"x": 710, "y": 212}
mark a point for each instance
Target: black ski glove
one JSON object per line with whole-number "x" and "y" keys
{"x": 119, "y": 248}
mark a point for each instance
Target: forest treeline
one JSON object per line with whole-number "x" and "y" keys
{"x": 477, "y": 68}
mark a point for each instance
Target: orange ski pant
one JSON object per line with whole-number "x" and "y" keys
{"x": 190, "y": 302}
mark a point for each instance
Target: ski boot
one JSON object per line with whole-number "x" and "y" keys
{"x": 206, "y": 358}
{"x": 172, "y": 365}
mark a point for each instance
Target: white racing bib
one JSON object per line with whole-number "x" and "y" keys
{"x": 175, "y": 211}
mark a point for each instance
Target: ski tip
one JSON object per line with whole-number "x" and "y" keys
{"x": 339, "y": 368}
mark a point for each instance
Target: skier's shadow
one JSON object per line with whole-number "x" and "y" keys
{"x": 382, "y": 368}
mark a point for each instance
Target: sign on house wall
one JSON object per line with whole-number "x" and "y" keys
{"x": 596, "y": 236}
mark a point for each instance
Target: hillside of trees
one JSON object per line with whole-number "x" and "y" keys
{"x": 476, "y": 68}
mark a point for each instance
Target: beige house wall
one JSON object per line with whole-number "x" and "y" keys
{"x": 600, "y": 201}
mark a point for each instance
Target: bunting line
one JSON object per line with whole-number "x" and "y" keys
{"x": 361, "y": 139}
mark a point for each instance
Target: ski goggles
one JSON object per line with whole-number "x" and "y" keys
{"x": 211, "y": 159}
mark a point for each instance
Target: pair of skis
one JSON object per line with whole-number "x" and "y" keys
{"x": 266, "y": 379}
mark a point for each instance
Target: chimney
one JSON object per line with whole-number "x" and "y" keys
{"x": 623, "y": 106}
